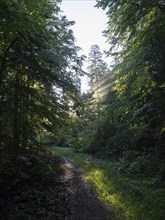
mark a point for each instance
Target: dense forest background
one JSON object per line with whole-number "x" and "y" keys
{"x": 128, "y": 121}
{"x": 41, "y": 104}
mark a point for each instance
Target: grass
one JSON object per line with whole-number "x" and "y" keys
{"x": 129, "y": 198}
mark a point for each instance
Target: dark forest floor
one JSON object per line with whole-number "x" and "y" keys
{"x": 31, "y": 187}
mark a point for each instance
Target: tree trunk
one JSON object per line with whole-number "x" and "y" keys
{"x": 16, "y": 122}
{"x": 25, "y": 130}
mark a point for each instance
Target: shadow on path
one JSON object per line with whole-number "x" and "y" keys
{"x": 83, "y": 203}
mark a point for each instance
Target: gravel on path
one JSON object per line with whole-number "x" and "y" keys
{"x": 83, "y": 203}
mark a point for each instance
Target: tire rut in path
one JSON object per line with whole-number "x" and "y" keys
{"x": 83, "y": 203}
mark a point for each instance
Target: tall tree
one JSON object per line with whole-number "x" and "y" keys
{"x": 37, "y": 48}
{"x": 97, "y": 66}
{"x": 136, "y": 35}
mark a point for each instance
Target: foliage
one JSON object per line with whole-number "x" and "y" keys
{"x": 133, "y": 115}
{"x": 31, "y": 188}
{"x": 138, "y": 29}
{"x": 38, "y": 61}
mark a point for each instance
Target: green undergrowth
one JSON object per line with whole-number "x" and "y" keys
{"x": 132, "y": 198}
{"x": 30, "y": 187}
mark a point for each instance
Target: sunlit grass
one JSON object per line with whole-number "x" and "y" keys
{"x": 106, "y": 188}
{"x": 128, "y": 198}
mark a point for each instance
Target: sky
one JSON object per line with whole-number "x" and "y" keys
{"x": 89, "y": 25}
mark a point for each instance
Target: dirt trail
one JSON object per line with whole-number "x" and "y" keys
{"x": 83, "y": 203}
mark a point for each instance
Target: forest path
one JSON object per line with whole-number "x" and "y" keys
{"x": 83, "y": 203}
